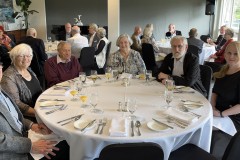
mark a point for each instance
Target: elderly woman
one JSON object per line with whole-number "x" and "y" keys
{"x": 100, "y": 53}
{"x": 20, "y": 82}
{"x": 126, "y": 59}
{"x": 218, "y": 57}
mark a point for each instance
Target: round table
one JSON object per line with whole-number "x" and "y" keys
{"x": 150, "y": 101}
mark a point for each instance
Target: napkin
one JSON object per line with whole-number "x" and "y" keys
{"x": 36, "y": 136}
{"x": 224, "y": 124}
{"x": 181, "y": 116}
{"x": 118, "y": 127}
{"x": 126, "y": 75}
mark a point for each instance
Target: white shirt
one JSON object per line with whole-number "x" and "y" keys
{"x": 178, "y": 66}
{"x": 77, "y": 43}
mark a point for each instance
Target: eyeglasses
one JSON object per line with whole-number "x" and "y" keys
{"x": 177, "y": 46}
{"x": 24, "y": 56}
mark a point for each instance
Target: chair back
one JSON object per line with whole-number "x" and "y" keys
{"x": 87, "y": 59}
{"x": 149, "y": 57}
{"x": 206, "y": 77}
{"x": 132, "y": 151}
{"x": 35, "y": 65}
{"x": 232, "y": 150}
{"x": 107, "y": 53}
{"x": 194, "y": 50}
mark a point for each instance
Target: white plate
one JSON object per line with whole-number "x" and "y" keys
{"x": 81, "y": 123}
{"x": 48, "y": 104}
{"x": 192, "y": 106}
{"x": 156, "y": 127}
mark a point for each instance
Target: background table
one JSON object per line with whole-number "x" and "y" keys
{"x": 87, "y": 146}
{"x": 206, "y": 52}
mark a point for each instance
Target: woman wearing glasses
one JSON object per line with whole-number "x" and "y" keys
{"x": 20, "y": 82}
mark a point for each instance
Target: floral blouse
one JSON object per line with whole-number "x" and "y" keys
{"x": 133, "y": 65}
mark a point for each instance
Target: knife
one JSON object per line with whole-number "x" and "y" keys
{"x": 159, "y": 122}
{"x": 132, "y": 126}
{"x": 70, "y": 118}
{"x": 74, "y": 119}
{"x": 88, "y": 125}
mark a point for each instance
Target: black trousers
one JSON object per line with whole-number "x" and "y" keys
{"x": 62, "y": 154}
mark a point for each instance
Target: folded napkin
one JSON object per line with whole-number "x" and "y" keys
{"x": 126, "y": 75}
{"x": 180, "y": 116}
{"x": 35, "y": 137}
{"x": 118, "y": 127}
{"x": 224, "y": 124}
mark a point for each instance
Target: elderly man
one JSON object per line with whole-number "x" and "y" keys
{"x": 77, "y": 41}
{"x": 137, "y": 46}
{"x": 64, "y": 35}
{"x": 93, "y": 39}
{"x": 61, "y": 67}
{"x": 192, "y": 40}
{"x": 181, "y": 66}
{"x": 13, "y": 128}
{"x": 38, "y": 48}
{"x": 220, "y": 40}
{"x": 172, "y": 32}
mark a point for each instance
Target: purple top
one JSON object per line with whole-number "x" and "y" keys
{"x": 60, "y": 72}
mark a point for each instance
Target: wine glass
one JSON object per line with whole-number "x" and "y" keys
{"x": 83, "y": 98}
{"x": 73, "y": 91}
{"x": 148, "y": 75}
{"x": 94, "y": 102}
{"x": 94, "y": 75}
{"x": 115, "y": 74}
{"x": 170, "y": 84}
{"x": 132, "y": 107}
{"x": 108, "y": 73}
{"x": 168, "y": 96}
{"x": 82, "y": 77}
{"x": 78, "y": 85}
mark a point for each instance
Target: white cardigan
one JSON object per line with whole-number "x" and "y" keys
{"x": 101, "y": 57}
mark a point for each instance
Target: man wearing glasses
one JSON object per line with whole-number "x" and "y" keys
{"x": 181, "y": 66}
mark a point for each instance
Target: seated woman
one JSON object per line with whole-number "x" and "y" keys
{"x": 218, "y": 57}
{"x": 100, "y": 53}
{"x": 20, "y": 82}
{"x": 126, "y": 59}
{"x": 6, "y": 44}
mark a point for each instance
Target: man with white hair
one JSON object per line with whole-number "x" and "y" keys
{"x": 172, "y": 31}
{"x": 77, "y": 41}
{"x": 38, "y": 48}
{"x": 181, "y": 66}
{"x": 92, "y": 37}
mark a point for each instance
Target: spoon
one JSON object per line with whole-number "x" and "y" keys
{"x": 138, "y": 124}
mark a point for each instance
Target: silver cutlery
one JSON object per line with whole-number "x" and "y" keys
{"x": 159, "y": 122}
{"x": 138, "y": 124}
{"x": 57, "y": 109}
{"x": 184, "y": 109}
{"x": 88, "y": 125}
{"x": 56, "y": 105}
{"x": 43, "y": 100}
{"x": 70, "y": 118}
{"x": 99, "y": 124}
{"x": 176, "y": 122}
{"x": 179, "y": 91}
{"x": 132, "y": 126}
{"x": 104, "y": 122}
{"x": 191, "y": 101}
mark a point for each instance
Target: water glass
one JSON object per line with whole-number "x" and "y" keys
{"x": 148, "y": 75}
{"x": 108, "y": 73}
{"x": 94, "y": 102}
{"x": 132, "y": 107}
{"x": 168, "y": 96}
{"x": 82, "y": 77}
{"x": 170, "y": 84}
{"x": 115, "y": 74}
{"x": 73, "y": 91}
{"x": 94, "y": 75}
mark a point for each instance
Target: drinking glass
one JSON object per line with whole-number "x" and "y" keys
{"x": 82, "y": 77}
{"x": 78, "y": 85}
{"x": 170, "y": 84}
{"x": 94, "y": 102}
{"x": 108, "y": 73}
{"x": 168, "y": 96}
{"x": 148, "y": 75}
{"x": 132, "y": 107}
{"x": 73, "y": 91}
{"x": 49, "y": 39}
{"x": 115, "y": 74}
{"x": 83, "y": 98}
{"x": 94, "y": 75}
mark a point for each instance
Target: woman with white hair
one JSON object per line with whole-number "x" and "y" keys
{"x": 126, "y": 59}
{"x": 20, "y": 82}
{"x": 100, "y": 53}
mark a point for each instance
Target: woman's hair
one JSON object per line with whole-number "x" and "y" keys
{"x": 225, "y": 68}
{"x": 93, "y": 26}
{"x": 147, "y": 32}
{"x": 101, "y": 32}
{"x": 21, "y": 49}
{"x": 229, "y": 32}
{"x": 124, "y": 36}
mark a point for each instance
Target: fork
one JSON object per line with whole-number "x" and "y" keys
{"x": 57, "y": 109}
{"x": 104, "y": 122}
{"x": 184, "y": 109}
{"x": 99, "y": 124}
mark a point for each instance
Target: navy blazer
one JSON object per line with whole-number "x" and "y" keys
{"x": 169, "y": 34}
{"x": 191, "y": 72}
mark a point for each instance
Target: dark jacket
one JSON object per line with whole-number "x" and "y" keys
{"x": 169, "y": 34}
{"x": 191, "y": 72}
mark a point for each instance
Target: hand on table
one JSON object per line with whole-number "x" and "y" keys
{"x": 163, "y": 76}
{"x": 41, "y": 128}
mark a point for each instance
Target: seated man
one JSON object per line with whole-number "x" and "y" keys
{"x": 192, "y": 40}
{"x": 181, "y": 66}
{"x": 172, "y": 32}
{"x": 220, "y": 40}
{"x": 93, "y": 39}
{"x": 61, "y": 67}
{"x": 77, "y": 41}
{"x": 13, "y": 128}
{"x": 137, "y": 46}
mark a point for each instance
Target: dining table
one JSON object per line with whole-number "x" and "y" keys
{"x": 51, "y": 48}
{"x": 119, "y": 126}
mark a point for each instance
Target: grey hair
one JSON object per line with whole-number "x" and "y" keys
{"x": 32, "y": 32}
{"x": 21, "y": 49}
{"x": 147, "y": 32}
{"x": 101, "y": 32}
{"x": 230, "y": 32}
{"x": 75, "y": 29}
{"x": 93, "y": 26}
{"x": 124, "y": 36}
{"x": 183, "y": 39}
{"x": 61, "y": 44}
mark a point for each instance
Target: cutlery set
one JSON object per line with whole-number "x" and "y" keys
{"x": 63, "y": 107}
{"x": 137, "y": 124}
{"x": 102, "y": 123}
{"x": 44, "y": 100}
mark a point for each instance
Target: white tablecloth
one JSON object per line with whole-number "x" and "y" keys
{"x": 87, "y": 146}
{"x": 51, "y": 48}
{"x": 206, "y": 52}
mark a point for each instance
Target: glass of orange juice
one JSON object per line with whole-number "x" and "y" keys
{"x": 73, "y": 92}
{"x": 84, "y": 98}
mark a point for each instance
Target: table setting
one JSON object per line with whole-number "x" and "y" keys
{"x": 132, "y": 109}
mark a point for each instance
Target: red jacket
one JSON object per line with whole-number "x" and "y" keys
{"x": 220, "y": 54}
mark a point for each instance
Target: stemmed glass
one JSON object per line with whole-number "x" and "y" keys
{"x": 73, "y": 91}
{"x": 78, "y": 85}
{"x": 94, "y": 75}
{"x": 168, "y": 96}
{"x": 83, "y": 98}
{"x": 170, "y": 85}
{"x": 94, "y": 102}
{"x": 148, "y": 75}
{"x": 82, "y": 77}
{"x": 108, "y": 73}
{"x": 132, "y": 107}
{"x": 115, "y": 74}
